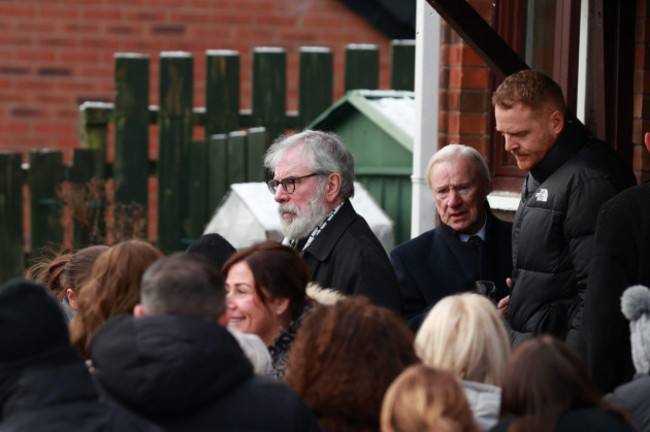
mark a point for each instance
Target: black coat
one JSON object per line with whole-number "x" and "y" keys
{"x": 633, "y": 398}
{"x": 621, "y": 259}
{"x": 437, "y": 264}
{"x": 586, "y": 419}
{"x": 60, "y": 398}
{"x": 553, "y": 233}
{"x": 348, "y": 257}
{"x": 188, "y": 374}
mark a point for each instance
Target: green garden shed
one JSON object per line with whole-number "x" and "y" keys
{"x": 378, "y": 126}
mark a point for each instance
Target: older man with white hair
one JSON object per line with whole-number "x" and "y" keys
{"x": 469, "y": 245}
{"x": 313, "y": 179}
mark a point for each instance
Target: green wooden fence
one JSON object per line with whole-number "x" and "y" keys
{"x": 192, "y": 176}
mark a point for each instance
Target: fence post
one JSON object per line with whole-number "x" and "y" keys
{"x": 361, "y": 67}
{"x": 221, "y": 91}
{"x": 236, "y": 168}
{"x": 45, "y": 176}
{"x": 198, "y": 214}
{"x": 175, "y": 128}
{"x": 270, "y": 90}
{"x": 131, "y": 126}
{"x": 12, "y": 263}
{"x": 255, "y": 149}
{"x": 88, "y": 215}
{"x": 217, "y": 170}
{"x": 93, "y": 129}
{"x": 402, "y": 65}
{"x": 316, "y": 83}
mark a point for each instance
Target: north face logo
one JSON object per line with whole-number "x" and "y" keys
{"x": 542, "y": 195}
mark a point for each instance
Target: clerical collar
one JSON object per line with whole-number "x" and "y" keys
{"x": 481, "y": 233}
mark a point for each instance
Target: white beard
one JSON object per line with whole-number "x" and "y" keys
{"x": 304, "y": 222}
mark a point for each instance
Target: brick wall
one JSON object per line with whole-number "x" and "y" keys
{"x": 464, "y": 88}
{"x": 57, "y": 54}
{"x": 641, "y": 122}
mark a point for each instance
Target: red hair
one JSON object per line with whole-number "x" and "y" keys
{"x": 344, "y": 358}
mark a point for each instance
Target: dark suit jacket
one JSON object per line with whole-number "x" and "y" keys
{"x": 347, "y": 256}
{"x": 621, "y": 258}
{"x": 437, "y": 264}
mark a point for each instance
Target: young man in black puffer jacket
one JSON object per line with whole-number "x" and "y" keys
{"x": 570, "y": 175}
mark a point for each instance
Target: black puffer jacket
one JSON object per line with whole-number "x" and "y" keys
{"x": 188, "y": 374}
{"x": 553, "y": 232}
{"x": 59, "y": 398}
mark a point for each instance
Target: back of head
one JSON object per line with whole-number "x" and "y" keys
{"x": 635, "y": 305}
{"x": 113, "y": 288}
{"x": 543, "y": 379}
{"x": 33, "y": 331}
{"x": 426, "y": 399}
{"x": 183, "y": 284}
{"x": 532, "y": 89}
{"x": 325, "y": 151}
{"x": 344, "y": 358}
{"x": 454, "y": 152}
{"x": 465, "y": 334}
{"x": 214, "y": 247}
{"x": 279, "y": 269}
{"x": 50, "y": 272}
{"x": 77, "y": 269}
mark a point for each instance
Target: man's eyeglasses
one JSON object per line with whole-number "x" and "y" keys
{"x": 289, "y": 183}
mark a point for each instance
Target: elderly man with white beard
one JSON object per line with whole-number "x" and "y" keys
{"x": 313, "y": 179}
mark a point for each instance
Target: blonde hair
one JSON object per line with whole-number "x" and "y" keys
{"x": 465, "y": 334}
{"x": 426, "y": 399}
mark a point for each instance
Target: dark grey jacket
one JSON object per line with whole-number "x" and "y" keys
{"x": 553, "y": 231}
{"x": 633, "y": 398}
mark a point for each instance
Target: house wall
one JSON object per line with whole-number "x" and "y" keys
{"x": 57, "y": 54}
{"x": 641, "y": 119}
{"x": 464, "y": 89}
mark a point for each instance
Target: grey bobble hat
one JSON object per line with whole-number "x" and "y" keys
{"x": 635, "y": 305}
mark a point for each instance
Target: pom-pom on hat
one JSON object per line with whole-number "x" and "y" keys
{"x": 635, "y": 305}
{"x": 32, "y": 326}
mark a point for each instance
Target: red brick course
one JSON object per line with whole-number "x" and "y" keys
{"x": 59, "y": 54}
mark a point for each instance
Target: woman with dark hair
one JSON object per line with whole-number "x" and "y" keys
{"x": 112, "y": 289}
{"x": 266, "y": 285}
{"x": 344, "y": 358}
{"x": 426, "y": 399}
{"x": 546, "y": 387}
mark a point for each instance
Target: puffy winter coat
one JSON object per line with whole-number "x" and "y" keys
{"x": 188, "y": 374}
{"x": 553, "y": 230}
{"x": 60, "y": 398}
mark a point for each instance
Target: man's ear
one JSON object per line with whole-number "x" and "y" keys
{"x": 138, "y": 312}
{"x": 556, "y": 122}
{"x": 332, "y": 187}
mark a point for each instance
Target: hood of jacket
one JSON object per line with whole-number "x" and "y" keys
{"x": 167, "y": 365}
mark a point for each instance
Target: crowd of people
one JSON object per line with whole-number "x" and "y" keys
{"x": 476, "y": 325}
